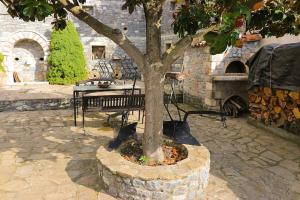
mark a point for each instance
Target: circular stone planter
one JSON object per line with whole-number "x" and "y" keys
{"x": 186, "y": 180}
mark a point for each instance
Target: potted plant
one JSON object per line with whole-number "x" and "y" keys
{"x": 2, "y": 71}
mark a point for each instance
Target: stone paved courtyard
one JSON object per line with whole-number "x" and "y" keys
{"x": 43, "y": 156}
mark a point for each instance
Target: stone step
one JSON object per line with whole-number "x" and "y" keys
{"x": 35, "y": 104}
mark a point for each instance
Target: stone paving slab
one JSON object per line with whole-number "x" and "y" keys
{"x": 43, "y": 156}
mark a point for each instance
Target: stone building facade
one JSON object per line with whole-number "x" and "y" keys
{"x": 25, "y": 45}
{"x": 221, "y": 76}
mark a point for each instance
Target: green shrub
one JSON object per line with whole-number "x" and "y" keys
{"x": 66, "y": 59}
{"x": 2, "y": 69}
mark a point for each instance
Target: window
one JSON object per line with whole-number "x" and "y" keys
{"x": 98, "y": 52}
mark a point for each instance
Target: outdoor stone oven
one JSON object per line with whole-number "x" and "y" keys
{"x": 222, "y": 76}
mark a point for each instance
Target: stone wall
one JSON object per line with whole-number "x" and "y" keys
{"x": 197, "y": 65}
{"x": 133, "y": 26}
{"x": 186, "y": 180}
{"x": 207, "y": 80}
{"x": 36, "y": 104}
{"x": 108, "y": 11}
{"x": 201, "y": 87}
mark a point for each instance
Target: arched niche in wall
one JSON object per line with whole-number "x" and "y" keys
{"x": 19, "y": 40}
{"x": 28, "y": 59}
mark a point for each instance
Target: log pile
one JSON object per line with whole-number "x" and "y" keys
{"x": 235, "y": 106}
{"x": 275, "y": 106}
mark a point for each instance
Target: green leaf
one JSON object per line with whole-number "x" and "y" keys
{"x": 144, "y": 159}
{"x": 246, "y": 12}
{"x": 210, "y": 37}
{"x": 26, "y": 2}
{"x": 131, "y": 5}
{"x": 220, "y": 44}
{"x": 28, "y": 11}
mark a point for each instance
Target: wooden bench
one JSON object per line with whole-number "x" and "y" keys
{"x": 113, "y": 103}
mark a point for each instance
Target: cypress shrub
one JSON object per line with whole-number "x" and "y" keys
{"x": 1, "y": 63}
{"x": 66, "y": 60}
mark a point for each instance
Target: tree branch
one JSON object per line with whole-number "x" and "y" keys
{"x": 177, "y": 50}
{"x": 114, "y": 34}
{"x": 5, "y": 3}
{"x": 10, "y": 9}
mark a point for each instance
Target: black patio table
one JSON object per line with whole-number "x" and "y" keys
{"x": 86, "y": 89}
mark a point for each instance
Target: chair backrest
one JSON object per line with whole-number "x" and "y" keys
{"x": 114, "y": 102}
{"x": 106, "y": 67}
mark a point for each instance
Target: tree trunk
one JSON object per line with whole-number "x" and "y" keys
{"x": 152, "y": 138}
{"x": 154, "y": 82}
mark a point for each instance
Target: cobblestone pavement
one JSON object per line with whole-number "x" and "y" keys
{"x": 42, "y": 156}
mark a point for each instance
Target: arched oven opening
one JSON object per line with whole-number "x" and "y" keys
{"x": 236, "y": 67}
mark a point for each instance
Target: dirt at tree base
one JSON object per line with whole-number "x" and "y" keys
{"x": 133, "y": 151}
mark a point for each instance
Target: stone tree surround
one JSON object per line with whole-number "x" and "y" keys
{"x": 186, "y": 180}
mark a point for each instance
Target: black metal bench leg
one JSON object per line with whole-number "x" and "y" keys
{"x": 126, "y": 117}
{"x": 83, "y": 118}
{"x": 74, "y": 106}
{"x": 143, "y": 116}
{"x": 223, "y": 118}
{"x": 139, "y": 115}
{"x": 174, "y": 99}
{"x": 77, "y": 103}
{"x": 108, "y": 120}
{"x": 123, "y": 119}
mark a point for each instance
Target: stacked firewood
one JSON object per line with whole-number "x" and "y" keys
{"x": 235, "y": 106}
{"x": 274, "y": 106}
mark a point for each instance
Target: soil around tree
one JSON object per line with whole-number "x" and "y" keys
{"x": 132, "y": 151}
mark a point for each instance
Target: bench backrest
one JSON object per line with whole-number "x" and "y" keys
{"x": 113, "y": 103}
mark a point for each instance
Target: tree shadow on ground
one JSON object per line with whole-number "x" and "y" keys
{"x": 37, "y": 132}
{"x": 28, "y": 137}
{"x": 50, "y": 135}
{"x": 85, "y": 171}
{"x": 238, "y": 170}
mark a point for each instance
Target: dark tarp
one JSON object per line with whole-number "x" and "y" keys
{"x": 277, "y": 66}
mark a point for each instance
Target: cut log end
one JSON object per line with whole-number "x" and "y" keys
{"x": 235, "y": 106}
{"x": 277, "y": 106}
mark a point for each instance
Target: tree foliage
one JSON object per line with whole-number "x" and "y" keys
{"x": 131, "y": 5}
{"x": 66, "y": 59}
{"x": 267, "y": 17}
{"x": 1, "y": 63}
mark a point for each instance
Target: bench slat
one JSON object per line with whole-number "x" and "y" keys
{"x": 114, "y": 102}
